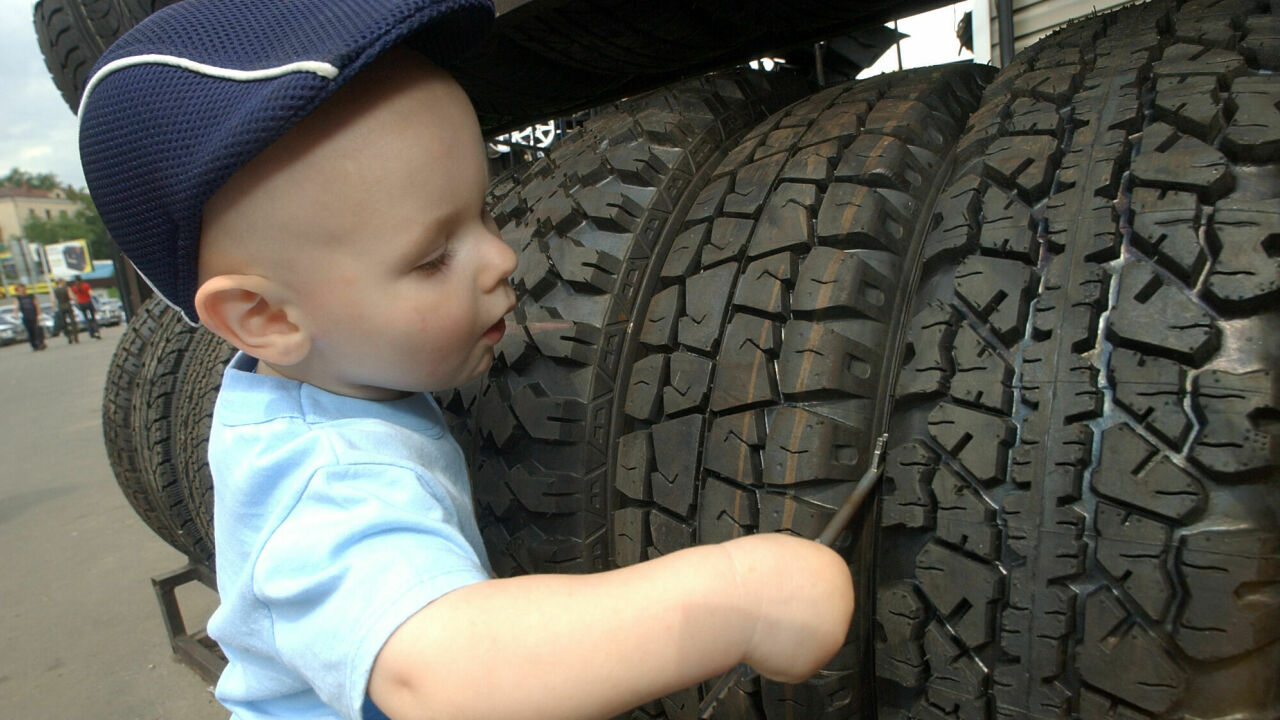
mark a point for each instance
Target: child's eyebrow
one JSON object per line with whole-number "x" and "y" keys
{"x": 427, "y": 240}
{"x": 424, "y": 245}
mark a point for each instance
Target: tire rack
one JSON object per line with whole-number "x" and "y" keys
{"x": 195, "y": 649}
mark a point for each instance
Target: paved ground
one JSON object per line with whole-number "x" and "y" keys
{"x": 79, "y": 625}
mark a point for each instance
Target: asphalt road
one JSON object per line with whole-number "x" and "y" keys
{"x": 80, "y": 627}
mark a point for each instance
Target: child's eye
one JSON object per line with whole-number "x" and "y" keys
{"x": 437, "y": 263}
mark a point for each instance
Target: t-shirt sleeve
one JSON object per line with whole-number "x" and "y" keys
{"x": 366, "y": 547}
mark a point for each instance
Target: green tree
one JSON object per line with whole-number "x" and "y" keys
{"x": 18, "y": 177}
{"x": 84, "y": 224}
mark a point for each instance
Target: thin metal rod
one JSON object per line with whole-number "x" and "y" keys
{"x": 731, "y": 678}
{"x": 1004, "y": 19}
{"x": 835, "y": 526}
{"x": 841, "y": 519}
{"x": 898, "y": 46}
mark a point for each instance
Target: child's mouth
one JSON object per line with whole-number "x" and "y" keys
{"x": 495, "y": 331}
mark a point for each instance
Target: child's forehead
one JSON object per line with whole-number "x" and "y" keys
{"x": 371, "y": 171}
{"x": 401, "y": 115}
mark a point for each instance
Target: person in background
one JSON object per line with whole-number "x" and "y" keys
{"x": 66, "y": 317}
{"x": 82, "y": 293}
{"x": 29, "y": 309}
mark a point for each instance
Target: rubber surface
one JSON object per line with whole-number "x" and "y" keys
{"x": 1079, "y": 512}
{"x": 199, "y": 379}
{"x": 1078, "y": 517}
{"x": 74, "y": 33}
{"x": 120, "y": 423}
{"x": 757, "y": 380}
{"x": 586, "y": 221}
{"x": 154, "y": 410}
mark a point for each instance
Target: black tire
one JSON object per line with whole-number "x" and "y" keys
{"x": 1079, "y": 511}
{"x": 564, "y": 474}
{"x": 155, "y": 409}
{"x": 199, "y": 380}
{"x": 586, "y": 221}
{"x": 119, "y": 425}
{"x": 755, "y": 386}
{"x": 74, "y": 33}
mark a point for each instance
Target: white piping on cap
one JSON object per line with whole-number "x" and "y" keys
{"x": 167, "y": 301}
{"x": 323, "y": 69}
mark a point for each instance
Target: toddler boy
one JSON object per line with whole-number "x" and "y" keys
{"x": 312, "y": 190}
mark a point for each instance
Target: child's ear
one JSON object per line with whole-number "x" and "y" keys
{"x": 250, "y": 312}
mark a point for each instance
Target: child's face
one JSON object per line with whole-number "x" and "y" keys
{"x": 395, "y": 267}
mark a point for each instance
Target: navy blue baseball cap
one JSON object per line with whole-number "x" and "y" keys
{"x": 182, "y": 101}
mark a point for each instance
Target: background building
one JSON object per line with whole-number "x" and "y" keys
{"x": 19, "y": 203}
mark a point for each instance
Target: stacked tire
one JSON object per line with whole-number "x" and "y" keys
{"x": 157, "y": 408}
{"x": 1079, "y": 516}
{"x": 123, "y": 447}
{"x": 1065, "y": 319}
{"x": 1054, "y": 288}
{"x": 74, "y": 33}
{"x": 587, "y": 222}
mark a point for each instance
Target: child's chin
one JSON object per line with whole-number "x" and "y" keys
{"x": 486, "y": 362}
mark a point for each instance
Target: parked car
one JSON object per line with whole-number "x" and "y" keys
{"x": 11, "y": 331}
{"x": 110, "y": 311}
{"x": 9, "y": 318}
{"x": 46, "y": 320}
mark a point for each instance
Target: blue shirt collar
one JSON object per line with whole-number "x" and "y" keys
{"x": 248, "y": 397}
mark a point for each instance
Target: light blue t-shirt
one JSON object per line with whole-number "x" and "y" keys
{"x": 336, "y": 520}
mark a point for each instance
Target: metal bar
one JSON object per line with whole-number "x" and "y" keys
{"x": 197, "y": 650}
{"x": 1004, "y": 18}
{"x": 835, "y": 526}
{"x": 898, "y": 46}
{"x": 164, "y": 586}
{"x": 841, "y": 519}
{"x": 193, "y": 651}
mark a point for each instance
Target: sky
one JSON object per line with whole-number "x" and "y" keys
{"x": 37, "y": 129}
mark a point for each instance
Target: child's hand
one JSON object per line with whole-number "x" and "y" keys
{"x": 801, "y": 594}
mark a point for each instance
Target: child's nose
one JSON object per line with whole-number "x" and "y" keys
{"x": 502, "y": 259}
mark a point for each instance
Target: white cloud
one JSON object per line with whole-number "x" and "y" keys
{"x": 32, "y": 152}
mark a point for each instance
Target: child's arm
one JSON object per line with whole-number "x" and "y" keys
{"x": 593, "y": 646}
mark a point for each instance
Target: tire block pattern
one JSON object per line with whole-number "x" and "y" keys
{"x": 760, "y": 365}
{"x": 588, "y": 221}
{"x": 1078, "y": 509}
{"x": 126, "y": 418}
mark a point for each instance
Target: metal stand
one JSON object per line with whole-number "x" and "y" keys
{"x": 196, "y": 649}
